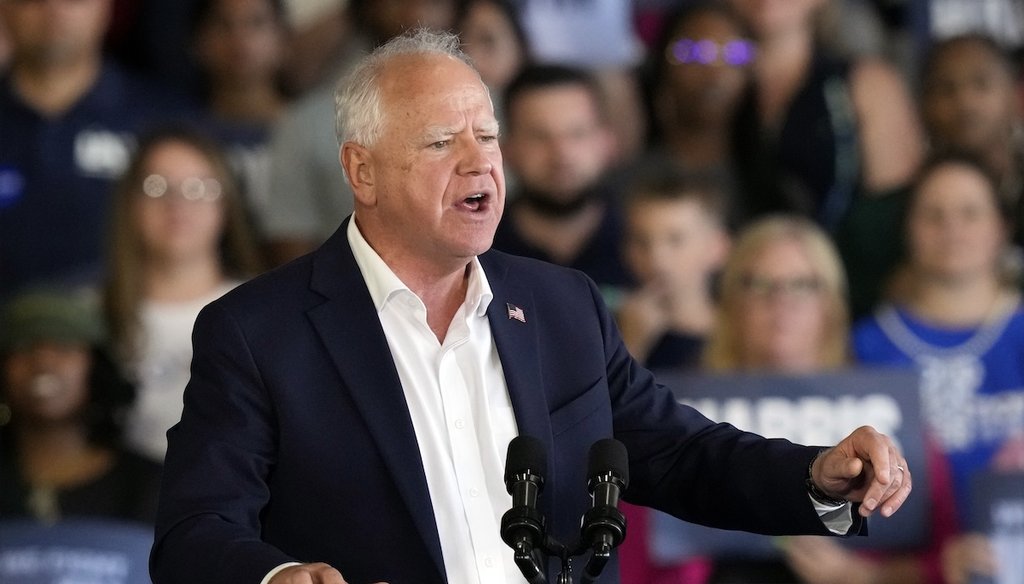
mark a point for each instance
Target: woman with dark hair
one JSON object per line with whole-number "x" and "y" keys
{"x": 819, "y": 130}
{"x": 62, "y": 400}
{"x": 241, "y": 47}
{"x": 180, "y": 239}
{"x": 970, "y": 103}
{"x": 494, "y": 39}
{"x": 954, "y": 311}
{"x": 833, "y": 138}
{"x": 697, "y": 74}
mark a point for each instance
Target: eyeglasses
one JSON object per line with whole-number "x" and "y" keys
{"x": 800, "y": 287}
{"x": 735, "y": 53}
{"x": 200, "y": 190}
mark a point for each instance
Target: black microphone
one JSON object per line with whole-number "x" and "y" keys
{"x": 522, "y": 526}
{"x": 604, "y": 526}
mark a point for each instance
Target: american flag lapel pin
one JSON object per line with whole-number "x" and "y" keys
{"x": 514, "y": 312}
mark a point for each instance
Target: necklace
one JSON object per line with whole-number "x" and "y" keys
{"x": 986, "y": 335}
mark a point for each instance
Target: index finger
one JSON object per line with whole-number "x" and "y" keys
{"x": 890, "y": 484}
{"x": 883, "y": 464}
{"x": 894, "y": 501}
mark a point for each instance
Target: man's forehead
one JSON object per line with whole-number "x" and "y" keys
{"x": 424, "y": 66}
{"x": 451, "y": 84}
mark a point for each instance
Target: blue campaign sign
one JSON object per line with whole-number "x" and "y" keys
{"x": 79, "y": 551}
{"x": 815, "y": 410}
{"x": 997, "y": 510}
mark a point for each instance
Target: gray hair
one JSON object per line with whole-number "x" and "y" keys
{"x": 359, "y": 111}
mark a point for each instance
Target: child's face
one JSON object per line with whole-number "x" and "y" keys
{"x": 673, "y": 243}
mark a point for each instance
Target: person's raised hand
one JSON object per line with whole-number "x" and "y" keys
{"x": 864, "y": 467}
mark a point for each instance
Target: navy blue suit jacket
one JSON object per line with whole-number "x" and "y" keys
{"x": 296, "y": 443}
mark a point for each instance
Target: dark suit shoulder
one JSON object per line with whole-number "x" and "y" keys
{"x": 502, "y": 264}
{"x": 270, "y": 291}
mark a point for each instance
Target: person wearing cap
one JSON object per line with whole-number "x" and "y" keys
{"x": 60, "y": 400}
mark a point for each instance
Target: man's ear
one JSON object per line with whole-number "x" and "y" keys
{"x": 357, "y": 162}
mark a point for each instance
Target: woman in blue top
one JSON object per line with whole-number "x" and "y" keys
{"x": 956, "y": 313}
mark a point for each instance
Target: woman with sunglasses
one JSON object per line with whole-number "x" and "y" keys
{"x": 828, "y": 136}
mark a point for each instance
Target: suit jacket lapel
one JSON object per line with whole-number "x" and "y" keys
{"x": 517, "y": 348}
{"x": 348, "y": 325}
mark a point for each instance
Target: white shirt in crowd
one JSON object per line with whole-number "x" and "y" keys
{"x": 161, "y": 370}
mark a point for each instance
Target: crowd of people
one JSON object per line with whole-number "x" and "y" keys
{"x": 751, "y": 186}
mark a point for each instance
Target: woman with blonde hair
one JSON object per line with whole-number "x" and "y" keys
{"x": 180, "y": 239}
{"x": 782, "y": 302}
{"x": 783, "y": 309}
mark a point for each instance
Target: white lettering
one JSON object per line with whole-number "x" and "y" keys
{"x": 806, "y": 420}
{"x": 78, "y": 564}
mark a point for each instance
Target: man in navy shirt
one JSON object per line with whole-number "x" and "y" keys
{"x": 561, "y": 149}
{"x": 69, "y": 120}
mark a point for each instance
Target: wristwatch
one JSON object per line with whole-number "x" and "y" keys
{"x": 816, "y": 493}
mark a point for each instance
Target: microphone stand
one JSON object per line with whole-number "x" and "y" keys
{"x": 603, "y": 527}
{"x": 529, "y": 561}
{"x": 530, "y": 558}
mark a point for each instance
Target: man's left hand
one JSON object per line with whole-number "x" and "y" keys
{"x": 864, "y": 467}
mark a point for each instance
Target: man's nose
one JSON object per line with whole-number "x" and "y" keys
{"x": 474, "y": 157}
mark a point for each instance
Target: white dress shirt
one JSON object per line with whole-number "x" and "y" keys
{"x": 461, "y": 413}
{"x": 462, "y": 416}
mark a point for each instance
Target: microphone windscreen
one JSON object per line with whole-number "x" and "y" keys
{"x": 608, "y": 455}
{"x": 525, "y": 454}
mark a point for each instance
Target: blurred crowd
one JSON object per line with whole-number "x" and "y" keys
{"x": 788, "y": 186}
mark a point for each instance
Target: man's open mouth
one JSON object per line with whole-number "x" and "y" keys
{"x": 476, "y": 201}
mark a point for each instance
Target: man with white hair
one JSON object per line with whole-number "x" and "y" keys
{"x": 348, "y": 414}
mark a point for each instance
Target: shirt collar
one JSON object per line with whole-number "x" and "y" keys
{"x": 383, "y": 284}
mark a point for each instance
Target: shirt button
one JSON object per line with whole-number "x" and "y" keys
{"x": 460, "y": 423}
{"x": 489, "y": 562}
{"x": 474, "y": 492}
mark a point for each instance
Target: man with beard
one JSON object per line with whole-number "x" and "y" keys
{"x": 560, "y": 148}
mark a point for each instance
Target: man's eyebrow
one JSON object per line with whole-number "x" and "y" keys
{"x": 433, "y": 133}
{"x": 491, "y": 127}
{"x": 439, "y": 132}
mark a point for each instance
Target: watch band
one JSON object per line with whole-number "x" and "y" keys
{"x": 816, "y": 493}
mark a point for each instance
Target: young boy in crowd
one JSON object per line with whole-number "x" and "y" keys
{"x": 676, "y": 240}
